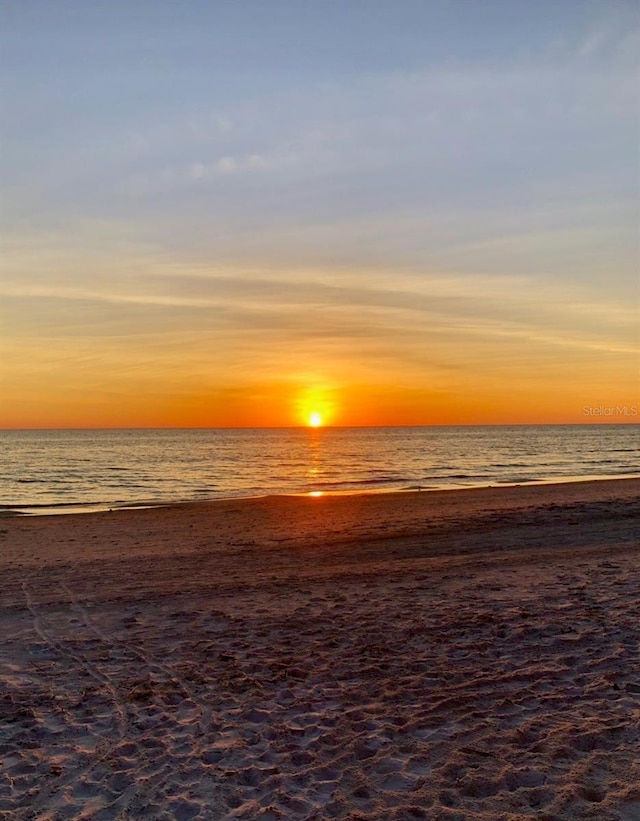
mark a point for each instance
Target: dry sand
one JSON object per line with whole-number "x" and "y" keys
{"x": 451, "y": 655}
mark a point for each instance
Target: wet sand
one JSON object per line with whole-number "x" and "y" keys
{"x": 448, "y": 655}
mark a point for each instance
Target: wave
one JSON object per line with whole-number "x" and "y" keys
{"x": 446, "y": 477}
{"x": 42, "y": 505}
{"x": 385, "y": 480}
{"x": 69, "y": 480}
{"x": 518, "y": 480}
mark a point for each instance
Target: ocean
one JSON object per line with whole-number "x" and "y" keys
{"x": 83, "y": 470}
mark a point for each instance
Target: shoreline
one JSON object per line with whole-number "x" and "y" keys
{"x": 63, "y": 508}
{"x": 445, "y": 655}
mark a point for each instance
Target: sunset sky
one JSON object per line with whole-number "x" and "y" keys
{"x": 241, "y": 213}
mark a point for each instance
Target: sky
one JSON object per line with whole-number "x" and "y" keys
{"x": 239, "y": 214}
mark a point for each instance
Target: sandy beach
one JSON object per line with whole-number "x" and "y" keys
{"x": 449, "y": 655}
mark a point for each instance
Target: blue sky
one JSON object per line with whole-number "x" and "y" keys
{"x": 323, "y": 193}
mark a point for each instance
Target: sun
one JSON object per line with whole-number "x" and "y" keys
{"x": 315, "y": 407}
{"x": 315, "y": 419}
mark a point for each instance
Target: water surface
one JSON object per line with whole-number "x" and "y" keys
{"x": 89, "y": 469}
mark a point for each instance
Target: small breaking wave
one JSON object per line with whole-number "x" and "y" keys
{"x": 384, "y": 480}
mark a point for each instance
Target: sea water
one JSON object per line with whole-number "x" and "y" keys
{"x": 62, "y": 470}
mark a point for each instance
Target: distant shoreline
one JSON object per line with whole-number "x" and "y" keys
{"x": 75, "y": 508}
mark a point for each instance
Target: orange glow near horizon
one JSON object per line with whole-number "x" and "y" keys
{"x": 285, "y": 404}
{"x": 342, "y": 393}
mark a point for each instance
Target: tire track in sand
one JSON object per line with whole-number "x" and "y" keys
{"x": 149, "y": 663}
{"x": 90, "y": 668}
{"x": 105, "y": 746}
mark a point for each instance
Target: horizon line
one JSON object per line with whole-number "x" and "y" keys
{"x": 603, "y": 423}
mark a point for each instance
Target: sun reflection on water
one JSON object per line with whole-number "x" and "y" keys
{"x": 314, "y": 469}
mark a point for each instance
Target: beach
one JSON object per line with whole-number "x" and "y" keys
{"x": 467, "y": 654}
